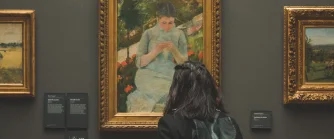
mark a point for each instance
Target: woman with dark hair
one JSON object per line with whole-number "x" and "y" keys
{"x": 160, "y": 49}
{"x": 194, "y": 108}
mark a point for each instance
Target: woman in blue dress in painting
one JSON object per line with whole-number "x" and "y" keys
{"x": 160, "y": 49}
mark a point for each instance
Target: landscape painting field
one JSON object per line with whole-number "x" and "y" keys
{"x": 319, "y": 55}
{"x": 11, "y": 53}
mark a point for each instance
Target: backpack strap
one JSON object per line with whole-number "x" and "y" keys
{"x": 222, "y": 127}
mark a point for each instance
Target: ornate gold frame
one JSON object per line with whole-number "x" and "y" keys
{"x": 109, "y": 119}
{"x": 27, "y": 18}
{"x": 296, "y": 89}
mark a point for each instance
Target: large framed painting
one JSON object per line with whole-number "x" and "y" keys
{"x": 308, "y": 54}
{"x": 17, "y": 53}
{"x": 140, "y": 42}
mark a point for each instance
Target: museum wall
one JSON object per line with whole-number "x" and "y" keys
{"x": 67, "y": 62}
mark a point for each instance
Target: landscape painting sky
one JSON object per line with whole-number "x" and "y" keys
{"x": 320, "y": 36}
{"x": 10, "y": 33}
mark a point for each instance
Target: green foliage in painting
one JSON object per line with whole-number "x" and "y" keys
{"x": 130, "y": 15}
{"x": 13, "y": 44}
{"x": 126, "y": 72}
{"x": 319, "y": 62}
{"x": 131, "y": 18}
{"x": 186, "y": 9}
{"x": 10, "y": 75}
{"x": 133, "y": 15}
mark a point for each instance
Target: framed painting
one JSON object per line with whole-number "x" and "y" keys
{"x": 308, "y": 54}
{"x": 17, "y": 53}
{"x": 136, "y": 66}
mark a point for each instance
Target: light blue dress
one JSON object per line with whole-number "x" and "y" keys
{"x": 153, "y": 81}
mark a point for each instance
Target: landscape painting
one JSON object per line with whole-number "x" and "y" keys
{"x": 17, "y": 53}
{"x": 319, "y": 54}
{"x": 308, "y": 55}
{"x": 166, "y": 29}
{"x": 11, "y": 53}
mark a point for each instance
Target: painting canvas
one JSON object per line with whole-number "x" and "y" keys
{"x": 143, "y": 88}
{"x": 319, "y": 54}
{"x": 11, "y": 54}
{"x": 140, "y": 43}
{"x": 17, "y": 53}
{"x": 308, "y": 54}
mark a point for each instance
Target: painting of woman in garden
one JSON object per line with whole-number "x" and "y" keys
{"x": 153, "y": 37}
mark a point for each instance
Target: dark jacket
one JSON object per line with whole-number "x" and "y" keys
{"x": 174, "y": 127}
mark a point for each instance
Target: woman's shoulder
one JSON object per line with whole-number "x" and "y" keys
{"x": 171, "y": 117}
{"x": 227, "y": 118}
{"x": 173, "y": 120}
{"x": 166, "y": 117}
{"x": 178, "y": 118}
{"x": 178, "y": 127}
{"x": 148, "y": 31}
{"x": 178, "y": 31}
{"x": 177, "y": 124}
{"x": 230, "y": 124}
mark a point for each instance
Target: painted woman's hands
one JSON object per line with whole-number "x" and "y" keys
{"x": 179, "y": 58}
{"x": 159, "y": 48}
{"x": 170, "y": 47}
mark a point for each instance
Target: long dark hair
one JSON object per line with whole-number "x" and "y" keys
{"x": 193, "y": 93}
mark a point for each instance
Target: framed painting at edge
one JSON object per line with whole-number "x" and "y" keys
{"x": 308, "y": 72}
{"x": 109, "y": 116}
{"x": 17, "y": 53}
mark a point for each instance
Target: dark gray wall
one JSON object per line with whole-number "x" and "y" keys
{"x": 66, "y": 35}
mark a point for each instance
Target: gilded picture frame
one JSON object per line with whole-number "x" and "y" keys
{"x": 110, "y": 117}
{"x": 308, "y": 44}
{"x": 17, "y": 53}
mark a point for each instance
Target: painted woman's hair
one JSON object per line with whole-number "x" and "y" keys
{"x": 193, "y": 93}
{"x": 166, "y": 9}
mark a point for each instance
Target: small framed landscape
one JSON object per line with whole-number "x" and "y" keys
{"x": 308, "y": 54}
{"x": 17, "y": 53}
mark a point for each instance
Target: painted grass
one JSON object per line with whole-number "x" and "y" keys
{"x": 12, "y": 58}
{"x": 318, "y": 73}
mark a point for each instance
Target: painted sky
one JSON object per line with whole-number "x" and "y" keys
{"x": 10, "y": 33}
{"x": 320, "y": 36}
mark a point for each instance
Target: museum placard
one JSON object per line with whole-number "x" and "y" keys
{"x": 54, "y": 110}
{"x": 77, "y": 110}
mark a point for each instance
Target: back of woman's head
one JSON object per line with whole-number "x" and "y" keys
{"x": 193, "y": 92}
